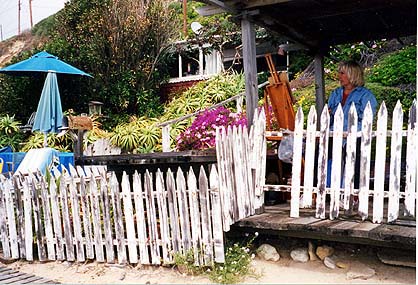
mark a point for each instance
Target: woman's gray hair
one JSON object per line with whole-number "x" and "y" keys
{"x": 354, "y": 72}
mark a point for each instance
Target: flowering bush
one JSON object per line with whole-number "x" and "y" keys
{"x": 201, "y": 134}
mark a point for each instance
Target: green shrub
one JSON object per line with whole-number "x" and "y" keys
{"x": 390, "y": 95}
{"x": 237, "y": 265}
{"x": 396, "y": 68}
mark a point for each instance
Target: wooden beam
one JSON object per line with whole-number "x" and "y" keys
{"x": 319, "y": 83}
{"x": 258, "y": 3}
{"x": 250, "y": 67}
{"x": 209, "y": 10}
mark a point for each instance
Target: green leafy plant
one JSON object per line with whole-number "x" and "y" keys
{"x": 396, "y": 68}
{"x": 10, "y": 134}
{"x": 237, "y": 266}
{"x": 185, "y": 264}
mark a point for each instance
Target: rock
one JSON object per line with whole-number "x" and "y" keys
{"x": 268, "y": 252}
{"x": 122, "y": 276}
{"x": 300, "y": 255}
{"x": 342, "y": 264}
{"x": 324, "y": 251}
{"x": 397, "y": 257}
{"x": 360, "y": 271}
{"x": 328, "y": 262}
{"x": 311, "y": 252}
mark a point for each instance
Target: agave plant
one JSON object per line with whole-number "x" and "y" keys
{"x": 126, "y": 136}
{"x": 9, "y": 132}
{"x": 8, "y": 125}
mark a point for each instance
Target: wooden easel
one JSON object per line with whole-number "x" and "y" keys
{"x": 279, "y": 94}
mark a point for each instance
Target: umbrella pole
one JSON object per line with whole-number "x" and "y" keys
{"x": 45, "y": 140}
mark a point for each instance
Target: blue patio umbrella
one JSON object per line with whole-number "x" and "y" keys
{"x": 49, "y": 113}
{"x": 42, "y": 62}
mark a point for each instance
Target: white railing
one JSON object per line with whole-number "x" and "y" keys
{"x": 341, "y": 189}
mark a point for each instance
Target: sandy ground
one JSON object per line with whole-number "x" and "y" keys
{"x": 284, "y": 271}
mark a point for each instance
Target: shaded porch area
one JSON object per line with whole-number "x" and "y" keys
{"x": 275, "y": 220}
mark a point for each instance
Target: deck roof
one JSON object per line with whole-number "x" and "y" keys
{"x": 318, "y": 24}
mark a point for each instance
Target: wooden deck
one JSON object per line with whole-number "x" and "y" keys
{"x": 10, "y": 276}
{"x": 276, "y": 220}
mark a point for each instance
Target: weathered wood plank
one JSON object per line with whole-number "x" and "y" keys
{"x": 27, "y": 203}
{"x": 350, "y": 158}
{"x": 247, "y": 170}
{"x": 224, "y": 190}
{"x": 95, "y": 201}
{"x": 3, "y": 224}
{"x": 152, "y": 219}
{"x": 216, "y": 217}
{"x": 380, "y": 162}
{"x": 118, "y": 219}
{"x": 395, "y": 163}
{"x": 337, "y": 145}
{"x": 87, "y": 218}
{"x": 173, "y": 212}
{"x": 230, "y": 182}
{"x": 366, "y": 143}
{"x": 296, "y": 164}
{"x": 204, "y": 199}
{"x": 56, "y": 219}
{"x": 19, "y": 215}
{"x": 309, "y": 159}
{"x": 49, "y": 233}
{"x": 322, "y": 163}
{"x": 11, "y": 219}
{"x": 129, "y": 219}
{"x": 236, "y": 157}
{"x": 194, "y": 217}
{"x": 140, "y": 219}
{"x": 107, "y": 206}
{"x": 411, "y": 162}
{"x": 183, "y": 211}
{"x": 163, "y": 217}
{"x": 75, "y": 210}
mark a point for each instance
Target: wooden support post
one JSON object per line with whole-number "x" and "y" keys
{"x": 319, "y": 84}
{"x": 78, "y": 149}
{"x": 250, "y": 68}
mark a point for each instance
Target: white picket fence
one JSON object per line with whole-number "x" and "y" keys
{"x": 342, "y": 178}
{"x": 77, "y": 216}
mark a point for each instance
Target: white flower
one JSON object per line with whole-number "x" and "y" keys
{"x": 256, "y": 234}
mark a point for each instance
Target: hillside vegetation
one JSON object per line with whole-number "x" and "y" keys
{"x": 127, "y": 77}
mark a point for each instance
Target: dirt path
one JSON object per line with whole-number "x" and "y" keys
{"x": 284, "y": 271}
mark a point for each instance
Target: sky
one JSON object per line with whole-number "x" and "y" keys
{"x": 41, "y": 9}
